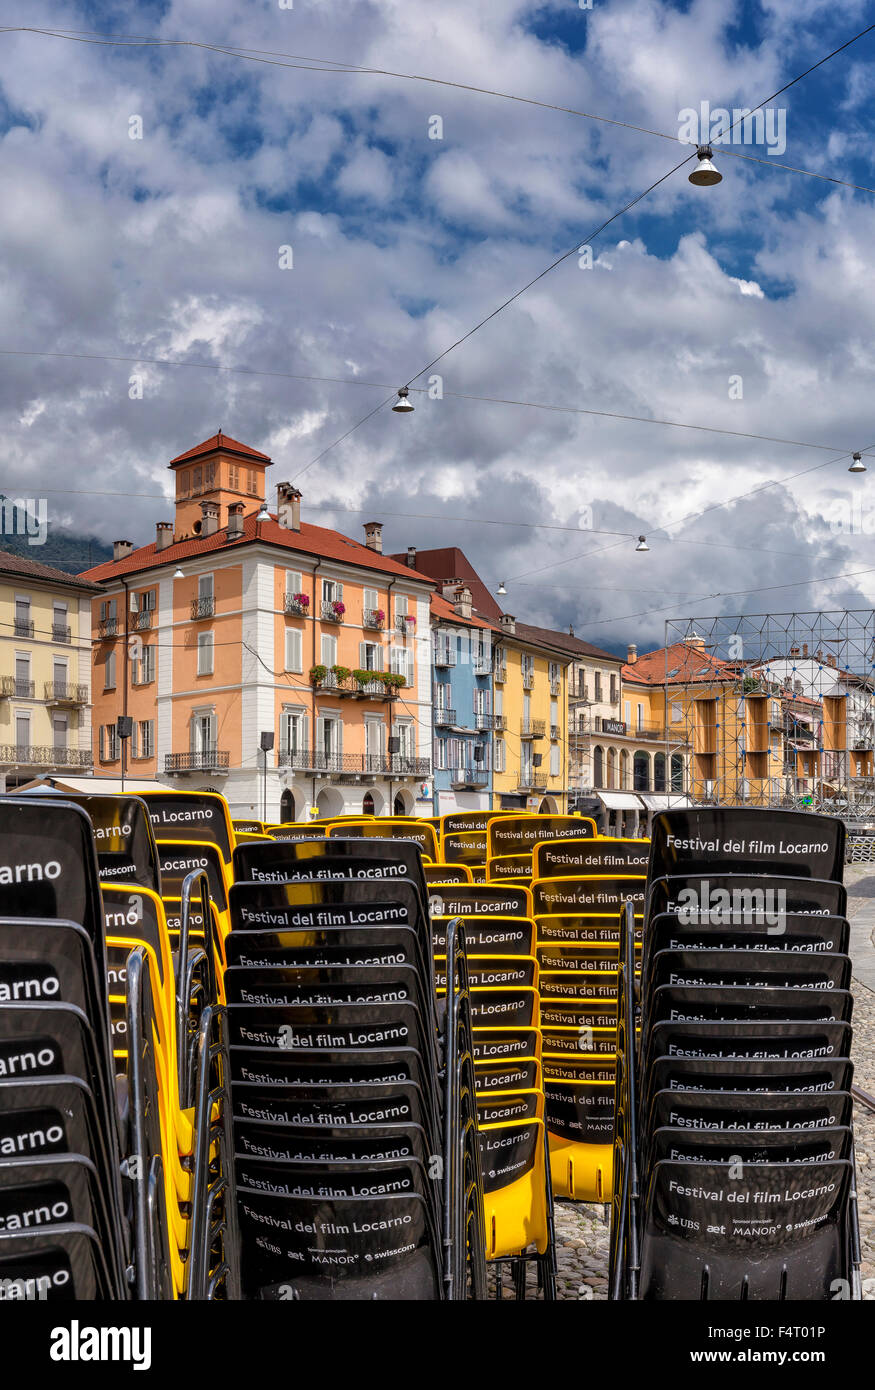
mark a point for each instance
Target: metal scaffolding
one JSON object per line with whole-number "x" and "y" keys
{"x": 775, "y": 709}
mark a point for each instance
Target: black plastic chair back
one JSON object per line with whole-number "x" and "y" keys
{"x": 746, "y": 840}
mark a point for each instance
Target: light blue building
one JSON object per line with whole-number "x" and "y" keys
{"x": 462, "y": 704}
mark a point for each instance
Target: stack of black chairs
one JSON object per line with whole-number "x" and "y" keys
{"x": 733, "y": 1145}
{"x": 81, "y": 1182}
{"x": 355, "y": 1167}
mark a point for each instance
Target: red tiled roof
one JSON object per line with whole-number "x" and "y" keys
{"x": 679, "y": 664}
{"x": 567, "y": 642}
{"x": 540, "y": 637}
{"x": 26, "y": 568}
{"x": 448, "y": 564}
{"x": 220, "y": 441}
{"x": 442, "y": 611}
{"x": 310, "y": 540}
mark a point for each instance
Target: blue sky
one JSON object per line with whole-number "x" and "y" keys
{"x": 168, "y": 246}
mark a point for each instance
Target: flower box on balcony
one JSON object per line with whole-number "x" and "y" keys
{"x": 297, "y": 605}
{"x": 333, "y": 610}
{"x": 373, "y": 618}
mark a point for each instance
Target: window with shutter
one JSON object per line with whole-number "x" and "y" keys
{"x": 205, "y": 654}
{"x": 294, "y": 582}
{"x": 205, "y": 586}
{"x": 109, "y": 672}
{"x": 134, "y": 739}
{"x": 329, "y": 650}
{"x": 555, "y": 761}
{"x": 101, "y": 744}
{"x": 294, "y": 649}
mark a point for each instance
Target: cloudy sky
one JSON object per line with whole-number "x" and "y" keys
{"x": 746, "y": 307}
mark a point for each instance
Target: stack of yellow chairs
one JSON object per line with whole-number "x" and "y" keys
{"x": 579, "y": 887}
{"x": 503, "y": 977}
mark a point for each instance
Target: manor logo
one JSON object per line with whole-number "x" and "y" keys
{"x": 76, "y": 1343}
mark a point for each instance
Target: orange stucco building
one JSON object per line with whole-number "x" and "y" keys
{"x": 238, "y": 621}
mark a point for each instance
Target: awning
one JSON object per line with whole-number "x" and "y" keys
{"x": 90, "y": 786}
{"x": 664, "y": 801}
{"x": 619, "y": 801}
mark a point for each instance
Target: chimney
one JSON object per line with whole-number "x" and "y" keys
{"x": 163, "y": 535}
{"x": 288, "y": 506}
{"x": 508, "y": 623}
{"x": 121, "y": 548}
{"x": 571, "y": 629}
{"x": 631, "y": 654}
{"x": 448, "y": 589}
{"x": 804, "y": 648}
{"x": 462, "y": 602}
{"x": 694, "y": 640}
{"x": 830, "y": 660}
{"x": 794, "y": 651}
{"x": 819, "y": 654}
{"x": 374, "y": 536}
{"x": 209, "y": 518}
{"x": 411, "y": 557}
{"x": 235, "y": 522}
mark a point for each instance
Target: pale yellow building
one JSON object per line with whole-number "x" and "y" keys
{"x": 45, "y": 670}
{"x": 530, "y": 754}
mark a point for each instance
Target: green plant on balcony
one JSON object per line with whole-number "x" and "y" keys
{"x": 318, "y": 674}
{"x": 392, "y": 680}
{"x": 363, "y": 677}
{"x": 340, "y": 673}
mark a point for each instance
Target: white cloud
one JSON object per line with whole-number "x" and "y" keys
{"x": 169, "y": 247}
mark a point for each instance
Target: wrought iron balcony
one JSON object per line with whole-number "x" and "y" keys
{"x": 444, "y": 655}
{"x": 60, "y": 632}
{"x": 528, "y": 680}
{"x": 444, "y": 717}
{"x": 22, "y": 690}
{"x": 354, "y": 764}
{"x": 533, "y": 728}
{"x": 484, "y": 721}
{"x": 295, "y": 607}
{"x": 24, "y": 627}
{"x": 401, "y": 765}
{"x": 142, "y": 620}
{"x": 351, "y": 688}
{"x": 554, "y": 730}
{"x": 532, "y": 782}
{"x": 482, "y": 665}
{"x": 107, "y": 627}
{"x": 499, "y": 671}
{"x": 26, "y": 754}
{"x": 207, "y": 760}
{"x": 499, "y": 722}
{"x": 203, "y": 607}
{"x": 469, "y": 778}
{"x": 405, "y": 624}
{"x": 373, "y": 618}
{"x": 332, "y": 611}
{"x": 555, "y": 685}
{"x": 60, "y": 693}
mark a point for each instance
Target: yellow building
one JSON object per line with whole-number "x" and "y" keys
{"x": 530, "y": 705}
{"x": 695, "y": 724}
{"x": 45, "y": 670}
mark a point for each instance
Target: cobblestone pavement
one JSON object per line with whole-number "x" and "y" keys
{"x": 581, "y": 1233}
